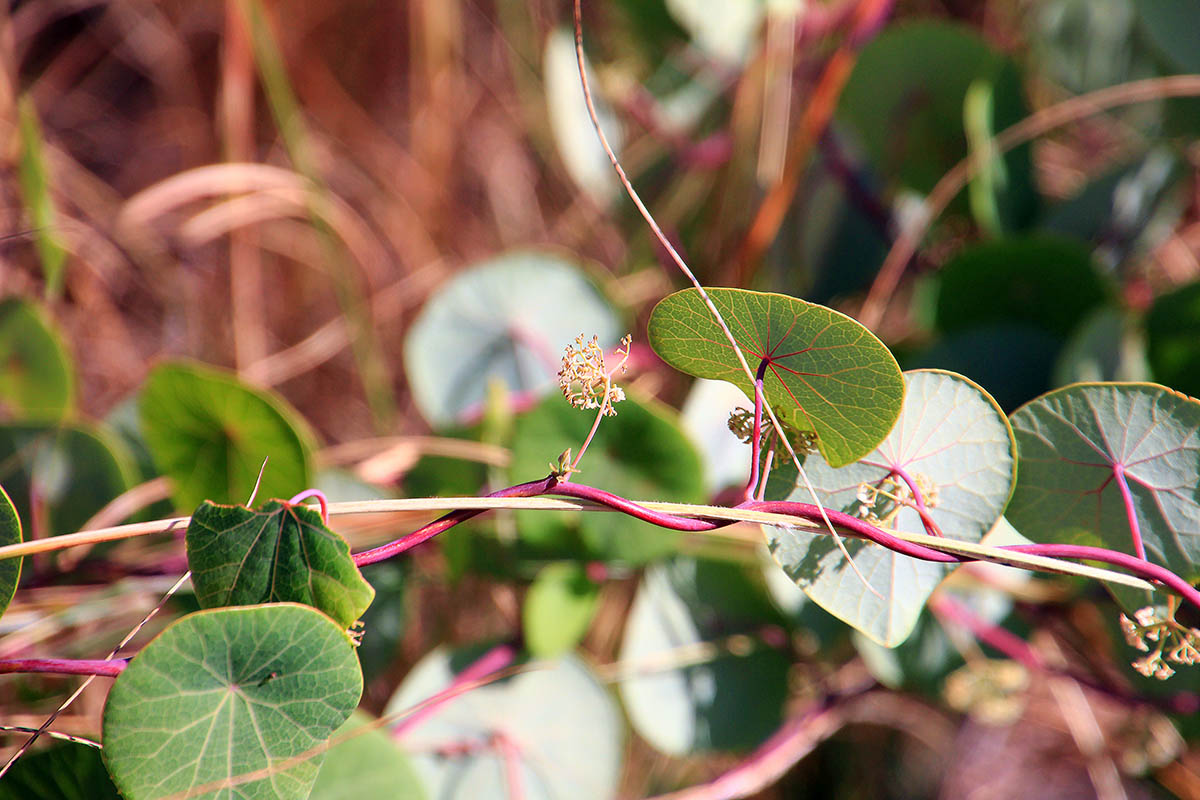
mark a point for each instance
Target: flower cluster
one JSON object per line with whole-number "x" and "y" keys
{"x": 741, "y": 425}
{"x": 1154, "y": 631}
{"x": 879, "y": 503}
{"x": 584, "y": 379}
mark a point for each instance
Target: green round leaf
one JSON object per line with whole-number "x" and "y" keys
{"x": 274, "y": 553}
{"x": 73, "y": 471}
{"x": 682, "y": 703}
{"x": 1047, "y": 282}
{"x": 222, "y": 694}
{"x": 558, "y": 609}
{"x": 1173, "y": 339}
{"x": 66, "y": 771}
{"x": 563, "y": 726}
{"x": 10, "y": 533}
{"x": 1108, "y": 346}
{"x": 640, "y": 453}
{"x": 951, "y": 436}
{"x": 506, "y": 320}
{"x": 37, "y": 381}
{"x": 367, "y": 766}
{"x": 1072, "y": 443}
{"x": 827, "y": 373}
{"x": 209, "y": 434}
{"x": 905, "y": 101}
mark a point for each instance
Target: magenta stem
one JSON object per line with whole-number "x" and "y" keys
{"x": 321, "y": 498}
{"x": 494, "y": 660}
{"x": 65, "y": 666}
{"x": 444, "y": 523}
{"x": 756, "y": 437}
{"x": 927, "y": 521}
{"x": 578, "y": 490}
{"x": 1135, "y": 529}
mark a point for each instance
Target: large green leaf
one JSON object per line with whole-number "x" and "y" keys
{"x": 274, "y": 553}
{"x": 66, "y": 771}
{"x": 366, "y": 766}
{"x": 210, "y": 433}
{"x": 684, "y": 687}
{"x": 10, "y": 533}
{"x": 36, "y": 377}
{"x": 1044, "y": 281}
{"x": 627, "y": 457}
{"x": 506, "y": 320}
{"x": 224, "y": 693}
{"x": 1076, "y": 442}
{"x": 905, "y": 98}
{"x": 70, "y": 472}
{"x": 951, "y": 437}
{"x": 826, "y": 373}
{"x": 554, "y": 726}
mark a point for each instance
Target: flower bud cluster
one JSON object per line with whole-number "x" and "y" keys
{"x": 1154, "y": 631}
{"x": 584, "y": 379}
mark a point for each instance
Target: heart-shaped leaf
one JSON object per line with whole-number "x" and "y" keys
{"x": 223, "y": 695}
{"x": 554, "y": 729}
{"x": 210, "y": 433}
{"x": 1077, "y": 446}
{"x": 953, "y": 442}
{"x": 274, "y": 553}
{"x": 506, "y": 320}
{"x": 730, "y": 699}
{"x": 825, "y": 372}
{"x": 36, "y": 378}
{"x": 10, "y": 533}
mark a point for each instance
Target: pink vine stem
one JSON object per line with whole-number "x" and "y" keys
{"x": 65, "y": 666}
{"x": 1135, "y": 530}
{"x": 756, "y": 436}
{"x": 494, "y": 660}
{"x": 321, "y": 499}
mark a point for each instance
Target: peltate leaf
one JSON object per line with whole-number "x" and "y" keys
{"x": 271, "y": 554}
{"x": 225, "y": 693}
{"x": 825, "y": 372}
{"x": 954, "y": 443}
{"x": 1076, "y": 445}
{"x": 210, "y": 433}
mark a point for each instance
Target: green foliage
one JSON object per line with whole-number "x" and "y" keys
{"x": 365, "y": 765}
{"x": 1173, "y": 338}
{"x": 210, "y": 434}
{"x": 271, "y": 554}
{"x": 35, "y": 188}
{"x": 222, "y": 695}
{"x": 558, "y": 609}
{"x": 66, "y": 771}
{"x": 37, "y": 381}
{"x": 625, "y": 457}
{"x": 827, "y": 373}
{"x": 10, "y": 533}
{"x": 951, "y": 438}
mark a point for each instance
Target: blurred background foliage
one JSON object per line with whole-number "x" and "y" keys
{"x": 383, "y": 221}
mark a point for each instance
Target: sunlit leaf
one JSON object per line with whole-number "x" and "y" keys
{"x": 37, "y": 381}
{"x": 210, "y": 433}
{"x": 555, "y": 727}
{"x": 1077, "y": 443}
{"x": 954, "y": 443}
{"x": 225, "y": 693}
{"x": 507, "y": 319}
{"x": 685, "y": 689}
{"x": 826, "y": 373}
{"x": 558, "y": 609}
{"x": 727, "y": 30}
{"x": 274, "y": 553}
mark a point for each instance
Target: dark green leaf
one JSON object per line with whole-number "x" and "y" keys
{"x": 210, "y": 433}
{"x": 37, "y": 381}
{"x": 10, "y": 533}
{"x": 826, "y": 374}
{"x": 1173, "y": 339}
{"x": 222, "y": 694}
{"x": 66, "y": 771}
{"x": 274, "y": 553}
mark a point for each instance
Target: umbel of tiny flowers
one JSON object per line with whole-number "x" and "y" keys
{"x": 586, "y": 382}
{"x": 1154, "y": 631}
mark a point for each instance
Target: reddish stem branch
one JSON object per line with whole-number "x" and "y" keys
{"x": 65, "y": 666}
{"x": 756, "y": 436}
{"x": 494, "y": 660}
{"x": 931, "y": 527}
{"x": 1135, "y": 529}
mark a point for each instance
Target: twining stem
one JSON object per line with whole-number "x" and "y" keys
{"x": 499, "y": 657}
{"x": 321, "y": 499}
{"x": 931, "y": 527}
{"x": 66, "y": 666}
{"x": 1135, "y": 530}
